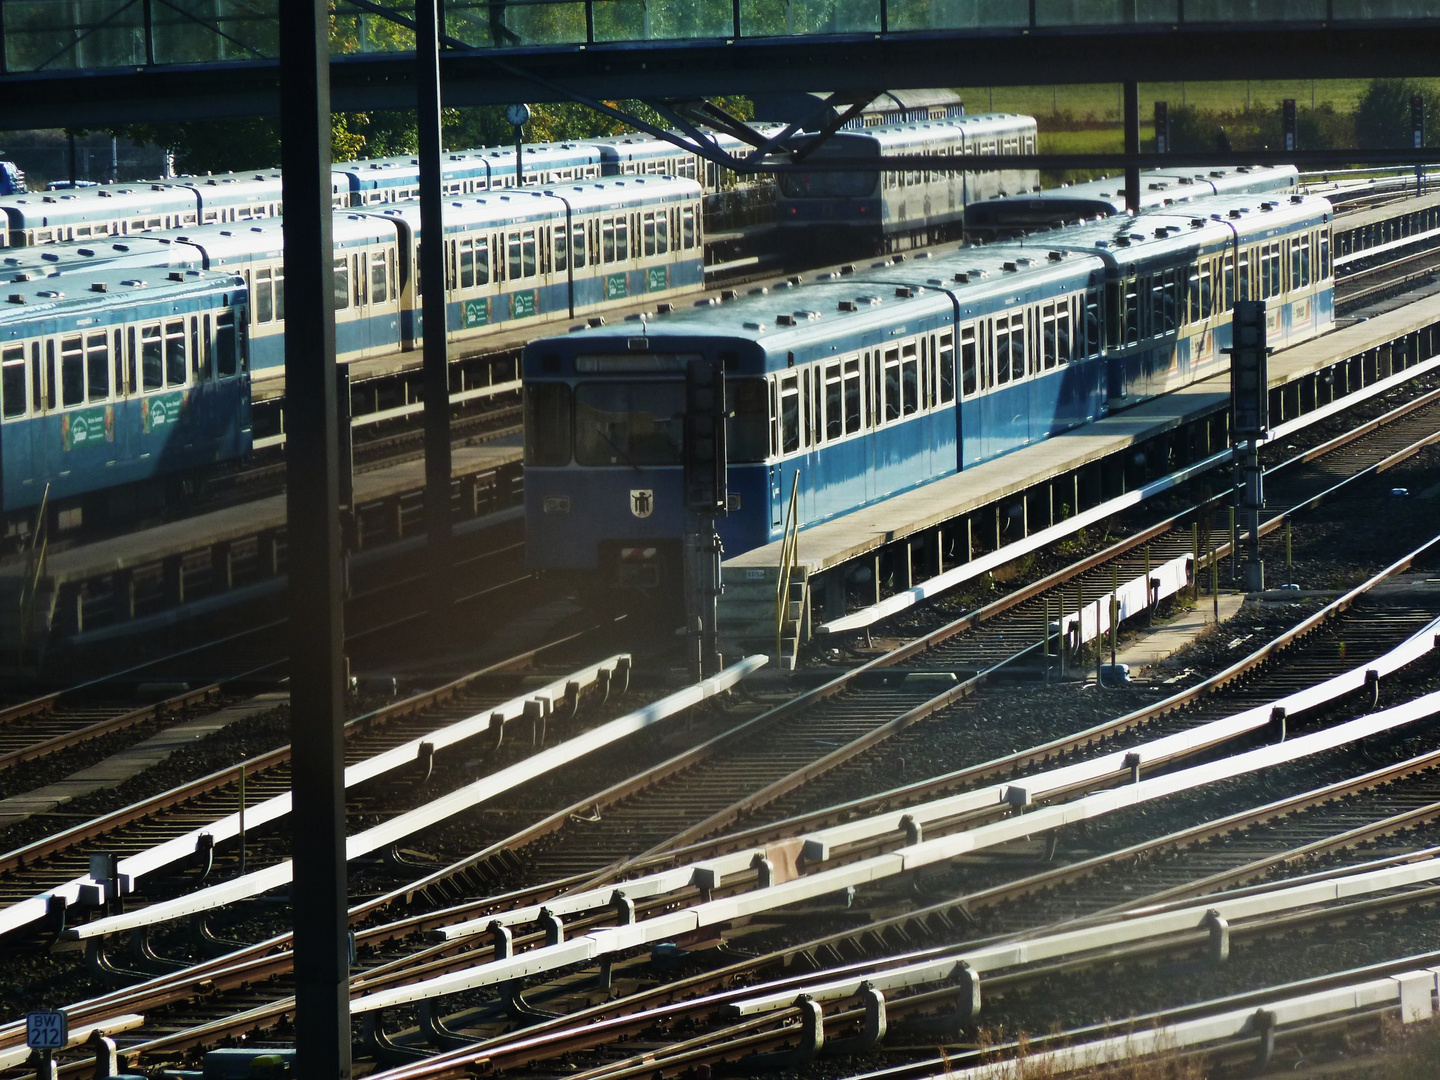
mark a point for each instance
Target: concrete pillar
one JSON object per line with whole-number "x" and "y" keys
{"x": 173, "y": 570}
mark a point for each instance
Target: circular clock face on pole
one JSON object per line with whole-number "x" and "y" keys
{"x": 518, "y": 115}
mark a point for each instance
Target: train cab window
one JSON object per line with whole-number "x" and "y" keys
{"x": 225, "y": 351}
{"x": 379, "y": 278}
{"x": 969, "y": 380}
{"x": 264, "y": 294}
{"x": 910, "y": 379}
{"x": 633, "y": 423}
{"x": 894, "y": 397}
{"x": 175, "y": 372}
{"x": 852, "y": 396}
{"x": 746, "y": 438}
{"x": 72, "y": 371}
{"x": 342, "y": 283}
{"x": 12, "y": 381}
{"x": 97, "y": 366}
{"x": 687, "y": 227}
{"x": 834, "y": 402}
{"x": 547, "y": 424}
{"x": 789, "y": 414}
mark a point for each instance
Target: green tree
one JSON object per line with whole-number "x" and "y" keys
{"x": 1382, "y": 115}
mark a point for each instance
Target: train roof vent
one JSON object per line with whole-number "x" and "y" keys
{"x": 962, "y": 276}
{"x": 596, "y": 320}
{"x": 709, "y": 301}
{"x": 869, "y": 301}
{"x": 1058, "y": 256}
{"x": 664, "y": 309}
{"x": 16, "y": 298}
{"x": 1158, "y": 186}
{"x": 1236, "y": 212}
{"x": 847, "y": 305}
{"x": 99, "y": 286}
{"x": 784, "y": 320}
{"x": 1217, "y": 172}
{"x": 1122, "y": 241}
{"x": 1244, "y": 169}
{"x": 103, "y": 194}
{"x": 923, "y": 255}
{"x": 175, "y": 275}
{"x": 760, "y": 290}
{"x": 1296, "y": 200}
{"x": 753, "y": 325}
{"x": 1162, "y": 232}
{"x": 937, "y": 282}
{"x": 728, "y": 294}
{"x": 1187, "y": 180}
{"x": 1268, "y": 206}
{"x": 904, "y": 292}
{"x": 87, "y": 252}
{"x": 806, "y": 315}
{"x": 22, "y": 277}
{"x": 134, "y": 283}
{"x": 1197, "y": 223}
{"x": 881, "y": 264}
{"x": 848, "y": 268}
{"x": 1010, "y": 267}
{"x": 51, "y": 294}
{"x": 795, "y": 280}
{"x": 47, "y": 198}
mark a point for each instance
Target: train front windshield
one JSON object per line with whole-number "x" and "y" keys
{"x": 828, "y": 185}
{"x": 640, "y": 423}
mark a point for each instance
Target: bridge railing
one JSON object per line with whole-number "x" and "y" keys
{"x": 70, "y": 35}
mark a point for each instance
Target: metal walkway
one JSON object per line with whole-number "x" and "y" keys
{"x": 157, "y": 59}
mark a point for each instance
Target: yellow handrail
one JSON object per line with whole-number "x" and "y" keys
{"x": 789, "y": 559}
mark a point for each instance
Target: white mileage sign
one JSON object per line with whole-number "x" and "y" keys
{"x": 47, "y": 1029}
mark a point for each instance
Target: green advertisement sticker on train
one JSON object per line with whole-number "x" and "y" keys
{"x": 524, "y": 304}
{"x": 88, "y": 427}
{"x": 161, "y": 410}
{"x": 616, "y": 287}
{"x": 657, "y": 279}
{"x": 477, "y": 312}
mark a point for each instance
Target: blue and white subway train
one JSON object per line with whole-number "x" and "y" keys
{"x": 875, "y": 382}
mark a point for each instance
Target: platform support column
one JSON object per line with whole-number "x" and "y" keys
{"x": 122, "y": 588}
{"x": 267, "y": 550}
{"x": 1132, "y": 146}
{"x": 321, "y": 943}
{"x": 221, "y": 569}
{"x": 969, "y": 538}
{"x": 833, "y": 594}
{"x": 438, "y": 516}
{"x": 173, "y": 572}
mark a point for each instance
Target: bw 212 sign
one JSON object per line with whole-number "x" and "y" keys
{"x": 47, "y": 1029}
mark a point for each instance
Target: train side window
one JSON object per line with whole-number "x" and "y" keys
{"x": 379, "y": 278}
{"x": 342, "y": 283}
{"x": 662, "y": 232}
{"x": 1064, "y": 342}
{"x": 1049, "y": 342}
{"x": 12, "y": 381}
{"x": 622, "y": 238}
{"x": 562, "y": 250}
{"x": 649, "y": 227}
{"x": 529, "y": 253}
{"x": 745, "y": 430}
{"x": 852, "y": 396}
{"x": 152, "y": 358}
{"x": 607, "y": 240}
{"x": 910, "y": 379}
{"x": 72, "y": 371}
{"x": 264, "y": 293}
{"x": 947, "y": 367}
{"x": 197, "y": 356}
{"x": 466, "y": 251}
{"x": 1324, "y": 254}
{"x": 577, "y": 238}
{"x": 687, "y": 226}
{"x": 969, "y": 380}
{"x": 834, "y": 401}
{"x": 1002, "y": 351}
{"x": 97, "y": 366}
{"x": 119, "y": 363}
{"x": 789, "y": 414}
{"x": 225, "y": 344}
{"x": 894, "y": 397}
{"x": 1277, "y": 263}
{"x": 175, "y": 353}
{"x": 359, "y": 280}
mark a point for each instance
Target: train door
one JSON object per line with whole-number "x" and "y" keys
{"x": 17, "y": 463}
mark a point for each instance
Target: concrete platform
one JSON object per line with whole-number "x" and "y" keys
{"x": 118, "y": 768}
{"x": 1156, "y": 646}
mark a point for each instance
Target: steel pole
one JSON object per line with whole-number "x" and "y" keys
{"x": 322, "y": 970}
{"x": 436, "y": 360}
{"x": 1132, "y": 146}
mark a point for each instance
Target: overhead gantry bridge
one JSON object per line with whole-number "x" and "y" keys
{"x": 115, "y": 61}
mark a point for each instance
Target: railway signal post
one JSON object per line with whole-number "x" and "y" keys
{"x": 706, "y": 498}
{"x": 1249, "y": 424}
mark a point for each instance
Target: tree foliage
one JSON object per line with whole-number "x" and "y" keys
{"x": 1382, "y": 115}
